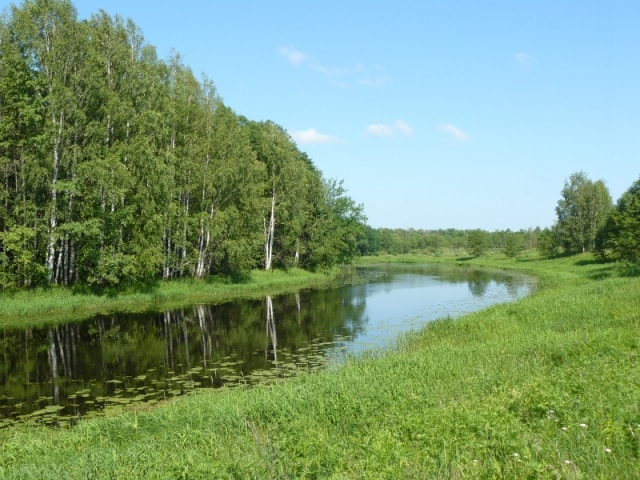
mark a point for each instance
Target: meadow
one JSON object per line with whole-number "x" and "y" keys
{"x": 547, "y": 387}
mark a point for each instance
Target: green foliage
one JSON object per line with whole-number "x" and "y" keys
{"x": 118, "y": 167}
{"x": 513, "y": 245}
{"x": 582, "y": 211}
{"x": 477, "y": 242}
{"x": 621, "y": 234}
{"x": 17, "y": 259}
{"x": 442, "y": 242}
{"x": 548, "y": 243}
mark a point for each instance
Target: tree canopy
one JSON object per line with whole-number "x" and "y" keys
{"x": 620, "y": 237}
{"x": 582, "y": 211}
{"x": 118, "y": 167}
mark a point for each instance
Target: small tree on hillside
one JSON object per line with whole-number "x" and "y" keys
{"x": 513, "y": 244}
{"x": 477, "y": 242}
{"x": 548, "y": 244}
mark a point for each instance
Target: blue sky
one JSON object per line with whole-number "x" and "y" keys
{"x": 457, "y": 114}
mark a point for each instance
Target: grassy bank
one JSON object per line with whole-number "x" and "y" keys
{"x": 547, "y": 387}
{"x": 46, "y": 306}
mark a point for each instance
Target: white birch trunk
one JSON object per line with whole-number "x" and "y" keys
{"x": 53, "y": 365}
{"x": 269, "y": 234}
{"x": 53, "y": 220}
{"x": 271, "y": 332}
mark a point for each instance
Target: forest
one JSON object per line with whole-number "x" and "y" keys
{"x": 118, "y": 167}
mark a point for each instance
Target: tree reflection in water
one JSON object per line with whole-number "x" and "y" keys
{"x": 56, "y": 374}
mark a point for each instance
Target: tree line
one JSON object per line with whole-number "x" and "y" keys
{"x": 474, "y": 242}
{"x": 587, "y": 220}
{"x": 117, "y": 167}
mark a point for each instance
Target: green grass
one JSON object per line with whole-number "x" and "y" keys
{"x": 54, "y": 305}
{"x": 548, "y": 387}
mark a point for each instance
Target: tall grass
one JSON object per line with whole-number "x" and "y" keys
{"x": 547, "y": 387}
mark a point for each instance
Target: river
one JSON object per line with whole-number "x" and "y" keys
{"x": 59, "y": 374}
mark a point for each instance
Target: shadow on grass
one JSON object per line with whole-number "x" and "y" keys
{"x": 610, "y": 268}
{"x": 629, "y": 270}
{"x": 113, "y": 291}
{"x": 592, "y": 261}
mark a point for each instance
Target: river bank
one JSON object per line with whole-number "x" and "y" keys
{"x": 546, "y": 387}
{"x": 55, "y": 305}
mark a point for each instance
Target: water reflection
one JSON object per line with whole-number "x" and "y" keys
{"x": 55, "y": 375}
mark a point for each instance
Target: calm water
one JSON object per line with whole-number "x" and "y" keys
{"x": 56, "y": 375}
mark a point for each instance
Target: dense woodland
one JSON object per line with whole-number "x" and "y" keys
{"x": 119, "y": 168}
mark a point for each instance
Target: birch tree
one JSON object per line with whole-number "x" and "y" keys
{"x": 582, "y": 210}
{"x": 47, "y": 36}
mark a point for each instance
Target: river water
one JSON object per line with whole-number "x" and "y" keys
{"x": 56, "y": 375}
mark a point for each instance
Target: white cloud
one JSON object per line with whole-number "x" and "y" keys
{"x": 292, "y": 55}
{"x": 455, "y": 132}
{"x": 398, "y": 127}
{"x": 311, "y": 135}
{"x": 404, "y": 128}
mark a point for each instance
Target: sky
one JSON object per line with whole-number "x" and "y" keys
{"x": 458, "y": 114}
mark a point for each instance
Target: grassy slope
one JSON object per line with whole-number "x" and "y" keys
{"x": 548, "y": 387}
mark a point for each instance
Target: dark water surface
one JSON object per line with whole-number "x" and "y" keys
{"x": 58, "y": 374}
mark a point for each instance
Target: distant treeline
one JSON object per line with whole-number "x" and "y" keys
{"x": 464, "y": 242}
{"x": 117, "y": 167}
{"x": 587, "y": 220}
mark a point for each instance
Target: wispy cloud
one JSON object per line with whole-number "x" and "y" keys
{"x": 292, "y": 55}
{"x": 379, "y": 130}
{"x": 311, "y": 136}
{"x": 455, "y": 132}
{"x": 398, "y": 127}
{"x": 523, "y": 59}
{"x": 404, "y": 128}
{"x": 341, "y": 76}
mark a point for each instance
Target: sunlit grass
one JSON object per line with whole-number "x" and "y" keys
{"x": 547, "y": 387}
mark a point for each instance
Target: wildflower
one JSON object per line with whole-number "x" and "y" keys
{"x": 568, "y": 462}
{"x": 564, "y": 429}
{"x": 516, "y": 454}
{"x": 608, "y": 450}
{"x": 583, "y": 425}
